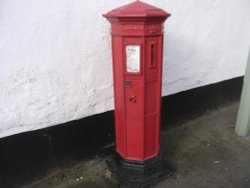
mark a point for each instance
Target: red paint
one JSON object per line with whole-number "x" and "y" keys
{"x": 137, "y": 95}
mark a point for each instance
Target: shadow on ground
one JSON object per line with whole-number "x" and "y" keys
{"x": 204, "y": 151}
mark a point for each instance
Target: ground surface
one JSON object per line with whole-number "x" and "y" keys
{"x": 205, "y": 153}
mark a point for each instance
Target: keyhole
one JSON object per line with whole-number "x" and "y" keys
{"x": 132, "y": 99}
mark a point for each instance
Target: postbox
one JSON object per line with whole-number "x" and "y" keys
{"x": 137, "y": 47}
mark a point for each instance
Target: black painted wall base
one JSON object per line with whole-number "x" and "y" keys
{"x": 32, "y": 155}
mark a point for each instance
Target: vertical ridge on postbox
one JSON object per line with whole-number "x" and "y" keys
{"x": 137, "y": 46}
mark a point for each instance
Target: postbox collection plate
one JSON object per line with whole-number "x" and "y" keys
{"x": 133, "y": 58}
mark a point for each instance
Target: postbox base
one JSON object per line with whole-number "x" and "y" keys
{"x": 134, "y": 174}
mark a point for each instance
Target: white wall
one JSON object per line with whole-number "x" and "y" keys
{"x": 55, "y": 57}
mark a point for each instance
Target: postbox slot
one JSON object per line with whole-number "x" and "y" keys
{"x": 152, "y": 53}
{"x": 152, "y": 57}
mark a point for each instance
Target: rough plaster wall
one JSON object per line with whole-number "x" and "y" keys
{"x": 206, "y": 42}
{"x": 55, "y": 56}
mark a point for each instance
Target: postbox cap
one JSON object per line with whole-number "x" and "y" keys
{"x": 137, "y": 9}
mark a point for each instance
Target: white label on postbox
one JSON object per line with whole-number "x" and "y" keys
{"x": 133, "y": 58}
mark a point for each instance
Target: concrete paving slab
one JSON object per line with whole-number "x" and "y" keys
{"x": 205, "y": 152}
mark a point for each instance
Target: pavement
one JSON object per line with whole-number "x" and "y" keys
{"x": 205, "y": 153}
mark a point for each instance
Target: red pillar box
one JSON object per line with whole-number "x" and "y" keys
{"x": 137, "y": 44}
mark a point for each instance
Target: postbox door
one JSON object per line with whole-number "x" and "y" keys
{"x": 134, "y": 119}
{"x": 134, "y": 97}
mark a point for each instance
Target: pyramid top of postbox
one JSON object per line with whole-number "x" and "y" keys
{"x": 137, "y": 9}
